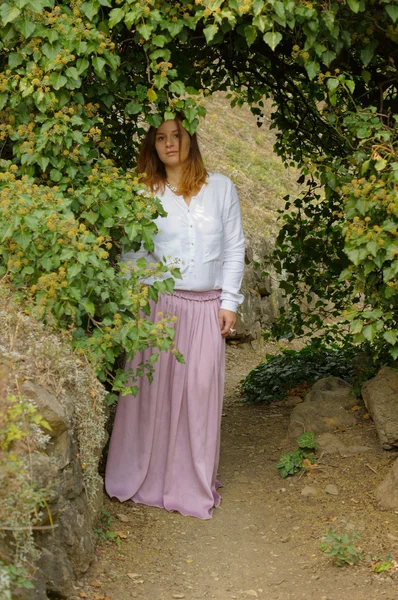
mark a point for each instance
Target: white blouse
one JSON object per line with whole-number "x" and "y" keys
{"x": 204, "y": 240}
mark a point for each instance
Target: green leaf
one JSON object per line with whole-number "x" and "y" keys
{"x": 354, "y": 5}
{"x": 250, "y": 34}
{"x": 210, "y": 31}
{"x": 55, "y": 175}
{"x": 392, "y": 10}
{"x": 145, "y": 30}
{"x": 15, "y": 59}
{"x": 27, "y": 28}
{"x": 394, "y": 352}
{"x": 312, "y": 68}
{"x": 177, "y": 87}
{"x": 328, "y": 57}
{"x": 89, "y": 307}
{"x": 23, "y": 238}
{"x": 115, "y": 16}
{"x": 43, "y": 161}
{"x": 57, "y": 80}
{"x": 391, "y": 337}
{"x": 3, "y": 100}
{"x": 272, "y": 38}
{"x": 90, "y": 9}
{"x": 159, "y": 40}
{"x": 8, "y": 13}
{"x": 369, "y": 332}
{"x": 368, "y": 52}
{"x": 81, "y": 65}
{"x": 133, "y": 108}
{"x": 99, "y": 64}
{"x": 332, "y": 83}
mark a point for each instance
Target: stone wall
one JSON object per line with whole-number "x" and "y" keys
{"x": 42, "y": 369}
{"x": 262, "y": 296}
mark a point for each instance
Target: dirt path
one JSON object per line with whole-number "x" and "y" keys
{"x": 263, "y": 542}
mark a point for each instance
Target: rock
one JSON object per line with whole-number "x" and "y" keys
{"x": 380, "y": 395}
{"x": 309, "y": 491}
{"x": 293, "y": 401}
{"x": 319, "y": 416}
{"x": 261, "y": 299}
{"x": 332, "y": 489}
{"x": 123, "y": 518}
{"x": 329, "y": 443}
{"x": 387, "y": 491}
{"x": 48, "y": 406}
{"x": 332, "y": 388}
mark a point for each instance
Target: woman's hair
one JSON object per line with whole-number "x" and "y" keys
{"x": 194, "y": 174}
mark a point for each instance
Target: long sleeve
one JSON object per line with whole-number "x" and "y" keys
{"x": 234, "y": 254}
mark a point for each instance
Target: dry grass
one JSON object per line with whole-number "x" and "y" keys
{"x": 232, "y": 144}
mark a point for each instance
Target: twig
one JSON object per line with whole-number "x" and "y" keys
{"x": 371, "y": 468}
{"x": 35, "y": 528}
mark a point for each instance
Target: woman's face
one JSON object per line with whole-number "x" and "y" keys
{"x": 172, "y": 146}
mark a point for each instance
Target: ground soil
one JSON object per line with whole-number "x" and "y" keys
{"x": 264, "y": 540}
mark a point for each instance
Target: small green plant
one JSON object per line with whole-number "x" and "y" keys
{"x": 300, "y": 459}
{"x": 103, "y": 531}
{"x": 272, "y": 379}
{"x": 341, "y": 548}
{"x": 381, "y": 566}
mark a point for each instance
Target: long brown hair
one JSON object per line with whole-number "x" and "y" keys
{"x": 194, "y": 174}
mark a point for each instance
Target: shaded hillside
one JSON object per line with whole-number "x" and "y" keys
{"x": 232, "y": 144}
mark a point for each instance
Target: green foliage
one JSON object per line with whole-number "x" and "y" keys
{"x": 76, "y": 82}
{"x": 57, "y": 249}
{"x": 306, "y": 441}
{"x": 341, "y": 548}
{"x": 381, "y": 566}
{"x": 21, "y": 503}
{"x": 103, "y": 531}
{"x": 293, "y": 462}
{"x": 272, "y": 379}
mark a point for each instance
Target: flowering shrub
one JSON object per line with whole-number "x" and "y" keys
{"x": 61, "y": 260}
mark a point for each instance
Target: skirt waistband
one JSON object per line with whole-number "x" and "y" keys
{"x": 197, "y": 296}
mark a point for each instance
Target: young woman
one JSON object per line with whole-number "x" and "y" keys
{"x": 165, "y": 443}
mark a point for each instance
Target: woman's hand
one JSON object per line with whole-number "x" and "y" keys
{"x": 227, "y": 320}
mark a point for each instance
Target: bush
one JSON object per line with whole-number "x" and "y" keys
{"x": 272, "y": 379}
{"x": 59, "y": 252}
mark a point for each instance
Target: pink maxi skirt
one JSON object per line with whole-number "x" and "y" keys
{"x": 165, "y": 443}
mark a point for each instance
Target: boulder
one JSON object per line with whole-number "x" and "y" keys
{"x": 332, "y": 388}
{"x": 387, "y": 491}
{"x": 49, "y": 407}
{"x": 380, "y": 395}
{"x": 319, "y": 416}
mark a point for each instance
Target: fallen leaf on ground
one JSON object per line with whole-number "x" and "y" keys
{"x": 95, "y": 583}
{"x": 83, "y": 595}
{"x": 122, "y": 535}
